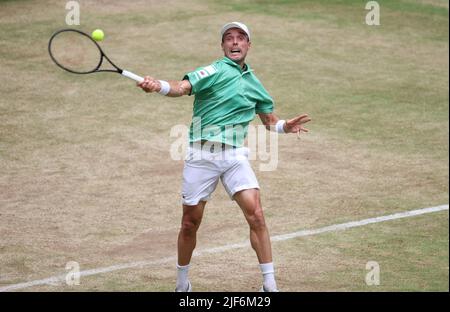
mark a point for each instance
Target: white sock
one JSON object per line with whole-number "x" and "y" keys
{"x": 182, "y": 277}
{"x": 269, "y": 276}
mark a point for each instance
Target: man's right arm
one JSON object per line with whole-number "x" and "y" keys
{"x": 176, "y": 88}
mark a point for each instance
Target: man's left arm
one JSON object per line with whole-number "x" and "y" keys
{"x": 294, "y": 125}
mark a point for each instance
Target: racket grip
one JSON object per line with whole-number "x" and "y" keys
{"x": 130, "y": 75}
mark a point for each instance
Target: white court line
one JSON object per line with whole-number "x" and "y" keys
{"x": 343, "y": 226}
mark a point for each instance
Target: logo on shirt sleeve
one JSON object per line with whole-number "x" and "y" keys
{"x": 205, "y": 72}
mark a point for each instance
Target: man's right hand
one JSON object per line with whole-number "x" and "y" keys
{"x": 150, "y": 84}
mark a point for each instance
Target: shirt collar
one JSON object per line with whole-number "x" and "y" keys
{"x": 233, "y": 63}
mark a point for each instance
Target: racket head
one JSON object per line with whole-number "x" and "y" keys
{"x": 75, "y": 51}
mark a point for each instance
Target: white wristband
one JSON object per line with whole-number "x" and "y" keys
{"x": 165, "y": 87}
{"x": 279, "y": 126}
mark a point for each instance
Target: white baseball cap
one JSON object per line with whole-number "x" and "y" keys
{"x": 235, "y": 25}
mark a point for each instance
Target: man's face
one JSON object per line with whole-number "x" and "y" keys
{"x": 235, "y": 45}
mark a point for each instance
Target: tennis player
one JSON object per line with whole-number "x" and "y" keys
{"x": 227, "y": 97}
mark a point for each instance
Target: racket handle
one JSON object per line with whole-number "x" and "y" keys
{"x": 130, "y": 75}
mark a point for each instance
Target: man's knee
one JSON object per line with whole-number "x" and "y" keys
{"x": 191, "y": 219}
{"x": 256, "y": 220}
{"x": 189, "y": 226}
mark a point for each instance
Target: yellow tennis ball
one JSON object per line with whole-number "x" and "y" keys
{"x": 98, "y": 35}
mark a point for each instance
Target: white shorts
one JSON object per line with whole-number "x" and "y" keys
{"x": 203, "y": 168}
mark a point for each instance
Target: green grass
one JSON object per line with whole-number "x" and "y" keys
{"x": 286, "y": 7}
{"x": 412, "y": 254}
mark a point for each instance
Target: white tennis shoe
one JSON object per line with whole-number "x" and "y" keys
{"x": 263, "y": 289}
{"x": 189, "y": 288}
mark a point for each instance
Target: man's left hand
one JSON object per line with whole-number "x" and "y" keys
{"x": 295, "y": 125}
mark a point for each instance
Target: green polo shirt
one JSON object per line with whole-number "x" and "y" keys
{"x": 226, "y": 100}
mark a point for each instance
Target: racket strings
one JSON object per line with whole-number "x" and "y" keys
{"x": 75, "y": 52}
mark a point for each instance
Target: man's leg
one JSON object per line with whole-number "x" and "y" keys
{"x": 187, "y": 239}
{"x": 250, "y": 203}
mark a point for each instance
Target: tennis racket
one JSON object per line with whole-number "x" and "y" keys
{"x": 76, "y": 52}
